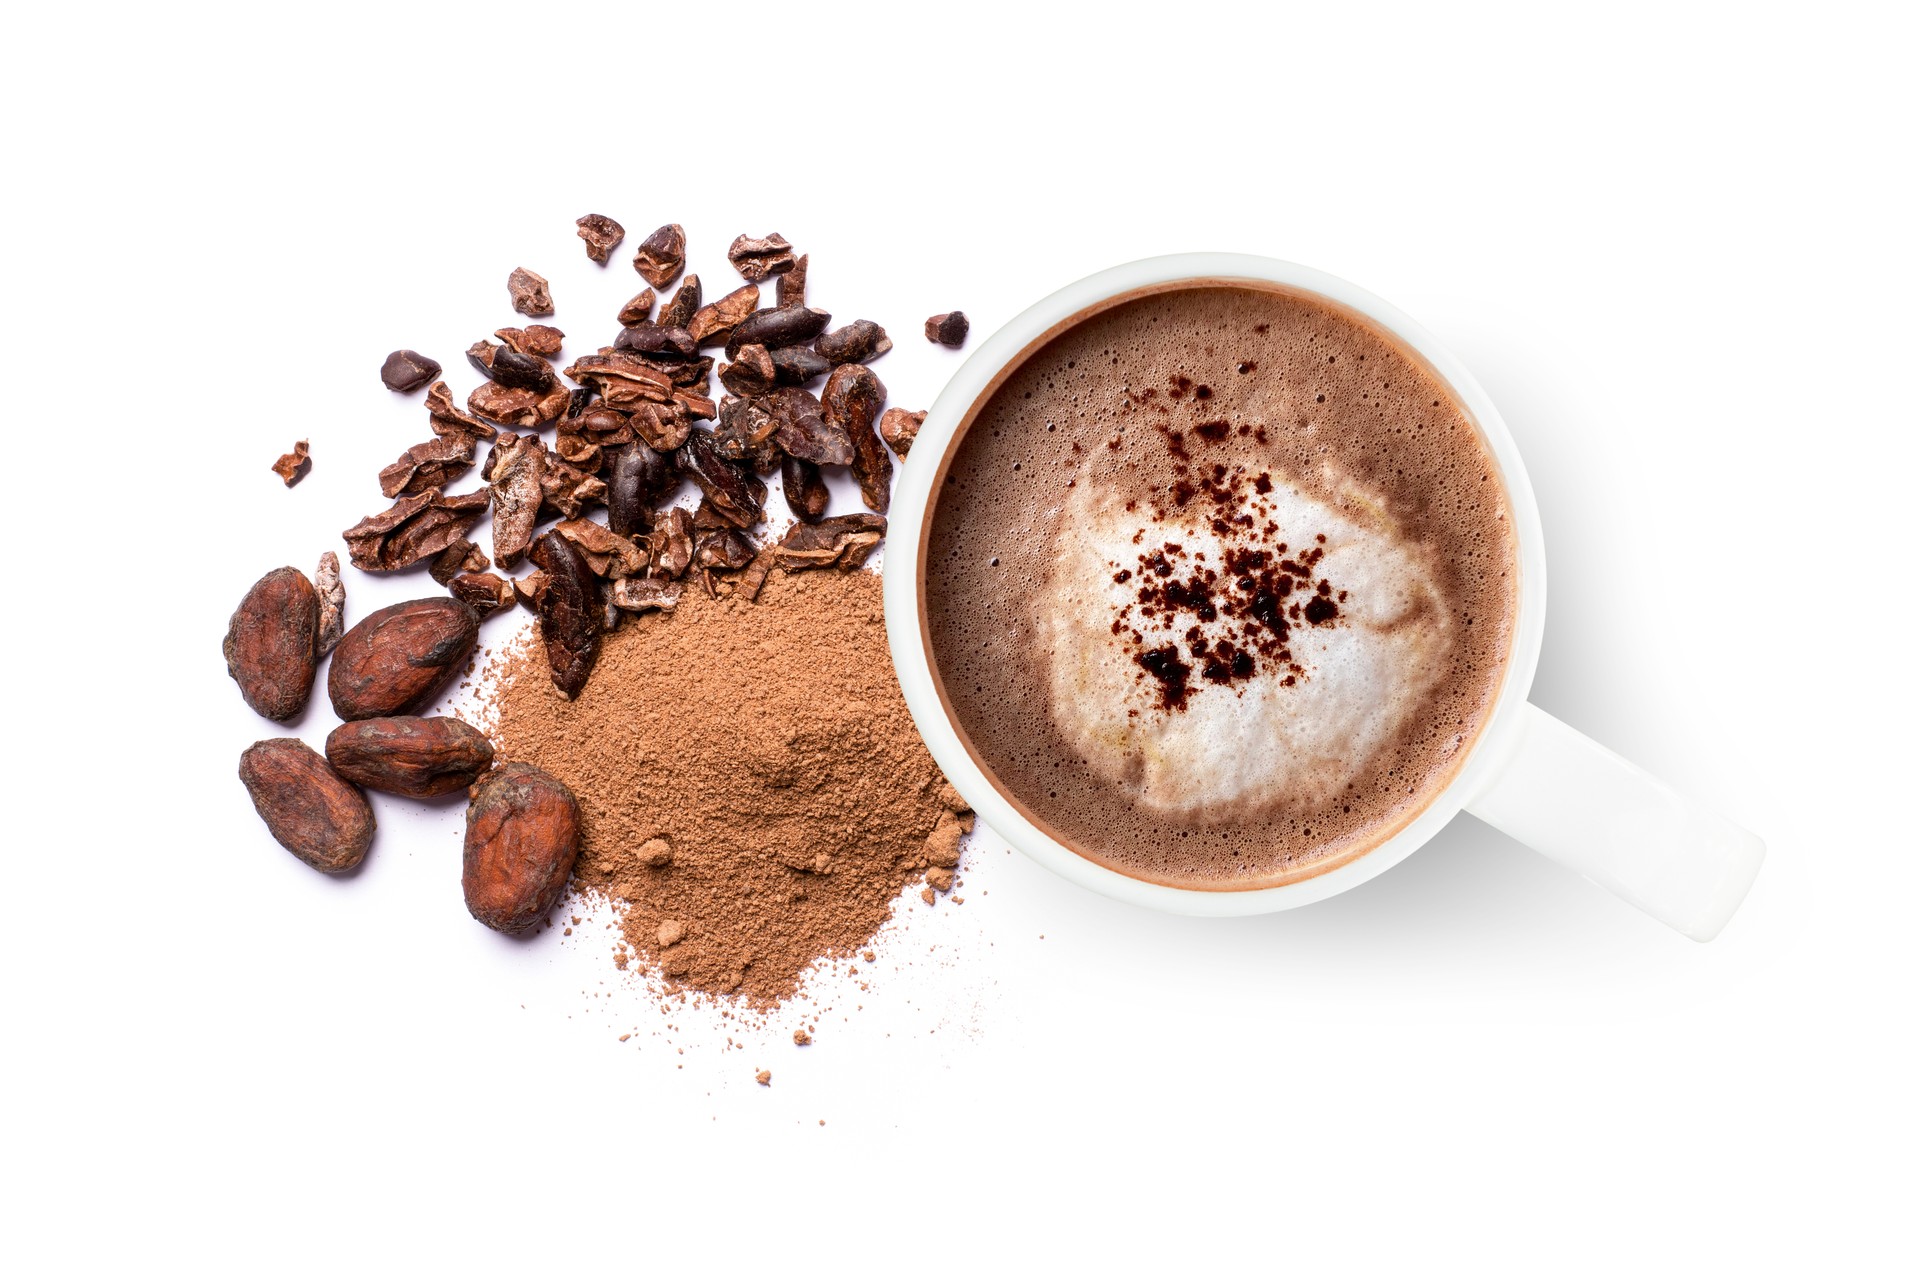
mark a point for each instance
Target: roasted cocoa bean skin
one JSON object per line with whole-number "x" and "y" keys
{"x": 569, "y": 613}
{"x": 806, "y": 490}
{"x": 523, "y": 834}
{"x": 410, "y": 755}
{"x": 316, "y": 815}
{"x": 394, "y": 661}
{"x": 270, "y": 643}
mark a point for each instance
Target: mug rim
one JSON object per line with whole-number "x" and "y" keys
{"x": 912, "y": 503}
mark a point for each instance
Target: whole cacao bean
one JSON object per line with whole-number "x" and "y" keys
{"x": 271, "y": 641}
{"x": 393, "y": 661}
{"x": 315, "y": 814}
{"x": 523, "y": 834}
{"x": 410, "y": 755}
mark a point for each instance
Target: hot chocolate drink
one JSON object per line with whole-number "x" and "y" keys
{"x": 1219, "y": 584}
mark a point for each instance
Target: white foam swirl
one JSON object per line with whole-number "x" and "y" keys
{"x": 1259, "y": 743}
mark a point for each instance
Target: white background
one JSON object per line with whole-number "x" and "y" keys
{"x": 1674, "y": 242}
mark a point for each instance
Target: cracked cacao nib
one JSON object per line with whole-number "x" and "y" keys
{"x": 670, "y": 546}
{"x": 801, "y": 427}
{"x": 427, "y": 466}
{"x": 757, "y": 257}
{"x": 781, "y": 327}
{"x": 638, "y": 477}
{"x": 798, "y": 366}
{"x": 724, "y": 549}
{"x": 315, "y": 814}
{"x": 567, "y": 490}
{"x": 480, "y": 356}
{"x": 293, "y": 467}
{"x": 662, "y": 426}
{"x": 680, "y": 309}
{"x": 515, "y": 468}
{"x": 529, "y": 373}
{"x": 736, "y": 494}
{"x": 623, "y": 381}
{"x": 637, "y": 309}
{"x": 751, "y": 372}
{"x": 637, "y": 595}
{"x": 837, "y": 542}
{"x": 602, "y": 234}
{"x": 415, "y": 527}
{"x": 852, "y": 401}
{"x": 417, "y": 756}
{"x": 610, "y": 615}
{"x": 461, "y": 557}
{"x": 569, "y": 613}
{"x": 806, "y": 490}
{"x": 517, "y": 406}
{"x": 656, "y": 340}
{"x": 523, "y": 834}
{"x": 333, "y": 604}
{"x": 529, "y": 587}
{"x": 395, "y": 660}
{"x": 408, "y": 371}
{"x": 447, "y": 420}
{"x": 856, "y": 343}
{"x": 683, "y": 374}
{"x": 696, "y": 405}
{"x": 484, "y": 593}
{"x": 743, "y": 427}
{"x": 661, "y": 255}
{"x": 949, "y": 328}
{"x": 271, "y": 645}
{"x": 534, "y": 340}
{"x": 529, "y": 293}
{"x": 899, "y": 427}
{"x": 790, "y": 289}
{"x": 607, "y": 554}
{"x": 714, "y": 323}
{"x": 581, "y": 438}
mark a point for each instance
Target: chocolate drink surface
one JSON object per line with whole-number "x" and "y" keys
{"x": 1220, "y": 584}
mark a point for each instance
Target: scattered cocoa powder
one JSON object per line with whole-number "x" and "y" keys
{"x": 751, "y": 786}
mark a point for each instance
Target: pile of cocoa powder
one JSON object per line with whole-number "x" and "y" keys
{"x": 751, "y": 786}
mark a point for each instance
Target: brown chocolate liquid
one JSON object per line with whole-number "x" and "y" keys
{"x": 1309, "y": 389}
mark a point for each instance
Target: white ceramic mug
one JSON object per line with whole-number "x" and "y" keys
{"x": 1527, "y": 773}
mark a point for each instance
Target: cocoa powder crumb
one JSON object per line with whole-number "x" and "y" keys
{"x": 789, "y": 821}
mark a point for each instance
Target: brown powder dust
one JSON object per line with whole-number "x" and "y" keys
{"x": 750, "y": 783}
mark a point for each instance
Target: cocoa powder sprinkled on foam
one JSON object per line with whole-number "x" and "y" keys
{"x": 751, "y": 786}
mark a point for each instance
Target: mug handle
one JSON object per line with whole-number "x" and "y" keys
{"x": 1566, "y": 796}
